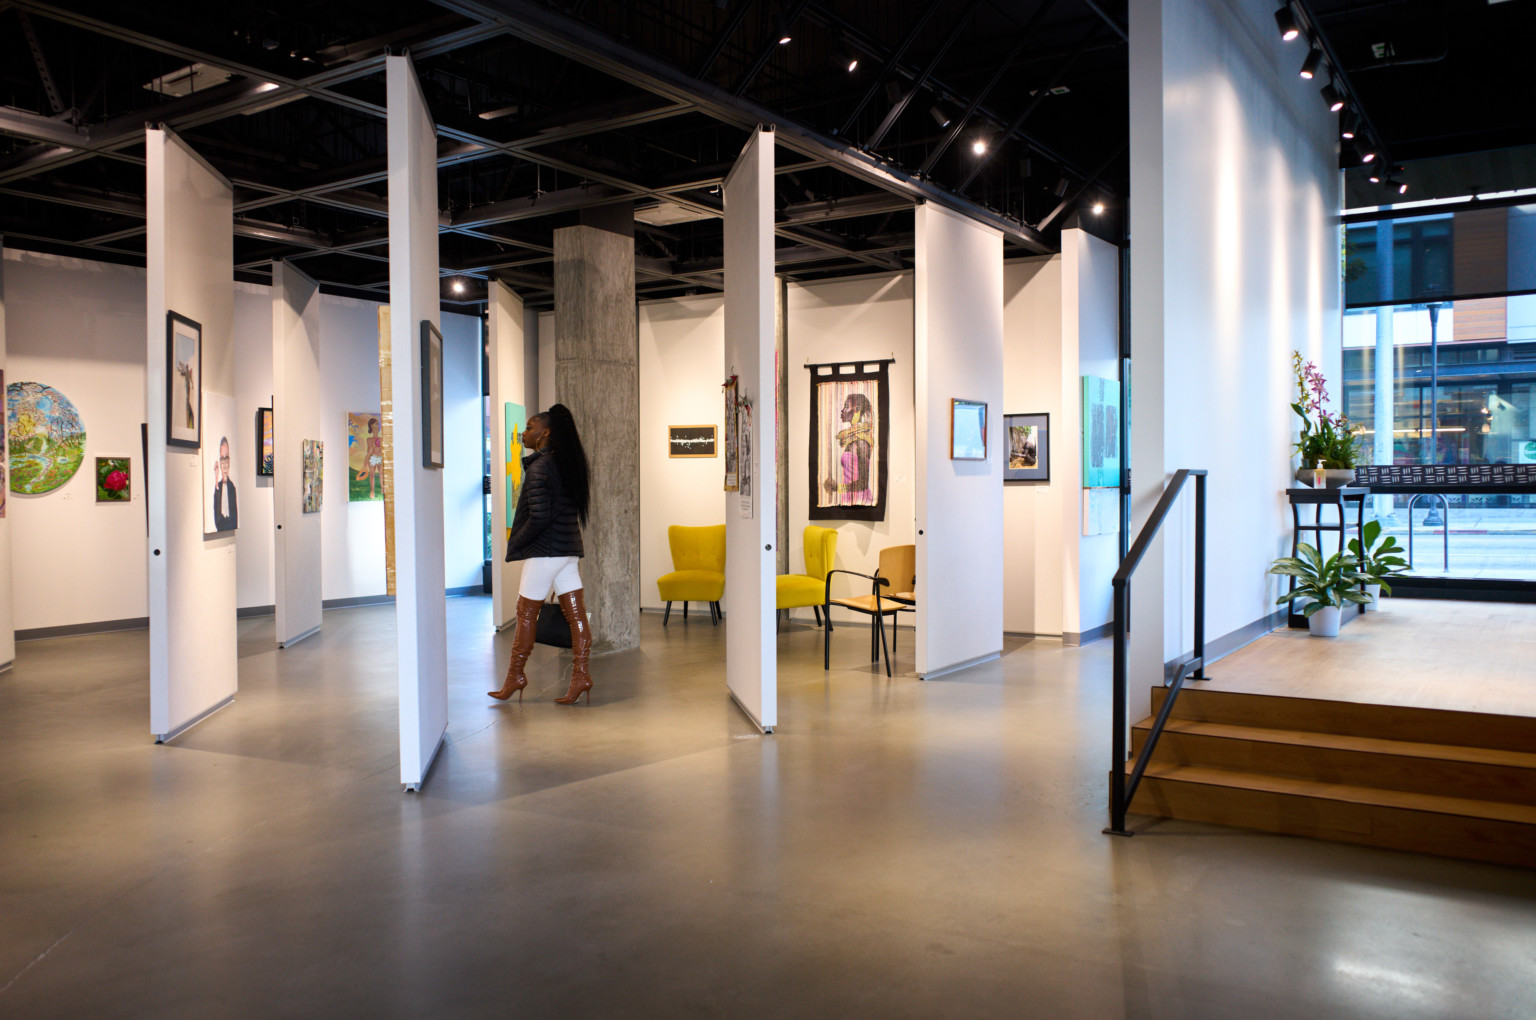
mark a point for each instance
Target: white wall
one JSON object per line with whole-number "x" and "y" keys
{"x": 463, "y": 471}
{"x": 1235, "y": 263}
{"x": 682, "y": 345}
{"x": 7, "y": 606}
{"x": 297, "y": 415}
{"x": 255, "y": 572}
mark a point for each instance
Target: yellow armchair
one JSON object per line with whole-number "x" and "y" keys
{"x": 809, "y": 588}
{"x": 698, "y": 569}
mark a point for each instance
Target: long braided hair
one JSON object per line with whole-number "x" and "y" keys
{"x": 570, "y": 457}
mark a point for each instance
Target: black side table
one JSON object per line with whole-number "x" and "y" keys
{"x": 1339, "y": 498}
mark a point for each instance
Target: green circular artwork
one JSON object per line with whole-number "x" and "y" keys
{"x": 46, "y": 437}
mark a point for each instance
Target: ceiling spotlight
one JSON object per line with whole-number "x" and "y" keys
{"x": 939, "y": 116}
{"x": 893, "y": 92}
{"x": 1285, "y": 18}
{"x": 1351, "y": 126}
{"x": 979, "y": 146}
{"x": 781, "y": 29}
{"x": 457, "y": 286}
{"x": 1098, "y": 208}
{"x": 1061, "y": 186}
{"x": 1363, "y": 150}
{"x": 1309, "y": 68}
{"x": 1333, "y": 97}
{"x": 850, "y": 61}
{"x": 1375, "y": 177}
{"x": 1402, "y": 187}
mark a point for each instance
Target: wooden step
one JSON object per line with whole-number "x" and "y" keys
{"x": 1384, "y": 722}
{"x": 1447, "y": 826}
{"x": 1452, "y": 771}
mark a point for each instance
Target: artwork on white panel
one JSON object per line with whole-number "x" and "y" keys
{"x": 1101, "y": 511}
{"x": 45, "y": 437}
{"x": 184, "y": 381}
{"x": 313, "y": 461}
{"x": 221, "y": 511}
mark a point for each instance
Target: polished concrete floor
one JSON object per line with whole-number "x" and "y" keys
{"x": 898, "y": 849}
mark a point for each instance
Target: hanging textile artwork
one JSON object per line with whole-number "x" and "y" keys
{"x": 850, "y": 433}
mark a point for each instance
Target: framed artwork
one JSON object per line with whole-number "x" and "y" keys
{"x": 45, "y": 438}
{"x": 690, "y": 440}
{"x": 732, "y": 437}
{"x": 744, "y": 458}
{"x": 967, "y": 430}
{"x": 365, "y": 457}
{"x": 184, "y": 382}
{"x": 1029, "y": 447}
{"x": 221, "y": 510}
{"x": 1101, "y": 432}
{"x": 313, "y": 475}
{"x": 850, "y": 434}
{"x": 514, "y": 420}
{"x": 264, "y": 442}
{"x": 431, "y": 396}
{"x": 114, "y": 479}
{"x": 5, "y": 479}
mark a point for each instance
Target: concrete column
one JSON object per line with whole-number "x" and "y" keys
{"x": 597, "y": 375}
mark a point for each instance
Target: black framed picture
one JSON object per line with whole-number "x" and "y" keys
{"x": 264, "y": 457}
{"x": 690, "y": 441}
{"x": 1028, "y": 439}
{"x": 431, "y": 395}
{"x": 183, "y": 381}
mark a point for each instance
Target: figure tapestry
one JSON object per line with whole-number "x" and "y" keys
{"x": 365, "y": 457}
{"x": 850, "y": 433}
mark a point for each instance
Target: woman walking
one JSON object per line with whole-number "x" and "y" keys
{"x": 546, "y": 536}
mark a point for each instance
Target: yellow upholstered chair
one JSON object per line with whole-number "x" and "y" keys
{"x": 698, "y": 569}
{"x": 891, "y": 592}
{"x": 810, "y": 588}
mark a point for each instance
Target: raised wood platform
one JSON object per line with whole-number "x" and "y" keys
{"x": 1275, "y": 742}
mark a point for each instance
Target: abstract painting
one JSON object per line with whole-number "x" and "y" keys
{"x": 731, "y": 435}
{"x": 1029, "y": 447}
{"x": 4, "y": 466}
{"x": 44, "y": 437}
{"x": 221, "y": 510}
{"x": 1101, "y": 432}
{"x": 114, "y": 480}
{"x": 264, "y": 442}
{"x": 184, "y": 381}
{"x": 514, "y": 420}
{"x": 967, "y": 430}
{"x": 850, "y": 434}
{"x": 690, "y": 441}
{"x": 431, "y": 396}
{"x": 314, "y": 475}
{"x": 365, "y": 457}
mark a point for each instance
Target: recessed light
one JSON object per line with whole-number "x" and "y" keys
{"x": 978, "y": 146}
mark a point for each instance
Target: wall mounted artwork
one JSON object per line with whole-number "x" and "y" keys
{"x": 45, "y": 437}
{"x": 731, "y": 435}
{"x": 5, "y": 473}
{"x": 365, "y": 457}
{"x": 264, "y": 442}
{"x": 690, "y": 441}
{"x": 850, "y": 434}
{"x": 431, "y": 396}
{"x": 1029, "y": 447}
{"x": 314, "y": 475}
{"x": 514, "y": 420}
{"x": 967, "y": 430}
{"x": 1101, "y": 432}
{"x": 184, "y": 381}
{"x": 221, "y": 507}
{"x": 114, "y": 479}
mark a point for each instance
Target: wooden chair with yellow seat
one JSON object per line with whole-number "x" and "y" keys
{"x": 796, "y": 591}
{"x": 698, "y": 569}
{"x": 896, "y": 576}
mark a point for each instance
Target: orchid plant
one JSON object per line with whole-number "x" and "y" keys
{"x": 1325, "y": 436}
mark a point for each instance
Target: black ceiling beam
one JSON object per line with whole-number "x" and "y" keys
{"x": 890, "y": 64}
{"x": 1093, "y": 178}
{"x": 732, "y": 23}
{"x": 899, "y": 107}
{"x": 766, "y": 52}
{"x": 1098, "y": 8}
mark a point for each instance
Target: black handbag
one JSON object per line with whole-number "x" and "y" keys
{"x": 553, "y": 629}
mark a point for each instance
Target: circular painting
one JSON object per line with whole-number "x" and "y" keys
{"x": 47, "y": 438}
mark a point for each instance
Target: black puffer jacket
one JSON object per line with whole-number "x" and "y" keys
{"x": 546, "y": 522}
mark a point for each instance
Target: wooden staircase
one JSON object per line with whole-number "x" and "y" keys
{"x": 1456, "y": 784}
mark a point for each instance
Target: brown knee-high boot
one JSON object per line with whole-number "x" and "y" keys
{"x": 575, "y": 608}
{"x": 522, "y": 644}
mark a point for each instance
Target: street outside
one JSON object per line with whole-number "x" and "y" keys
{"x": 1484, "y": 542}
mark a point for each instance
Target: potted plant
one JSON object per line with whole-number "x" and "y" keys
{"x": 1327, "y": 439}
{"x": 1378, "y": 560}
{"x": 1328, "y": 585}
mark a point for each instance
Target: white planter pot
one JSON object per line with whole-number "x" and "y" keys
{"x": 1333, "y": 478}
{"x": 1374, "y": 592}
{"x": 1324, "y": 622}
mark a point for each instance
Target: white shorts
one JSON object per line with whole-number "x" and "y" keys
{"x": 541, "y": 573}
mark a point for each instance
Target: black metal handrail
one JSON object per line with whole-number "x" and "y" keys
{"x": 1121, "y": 790}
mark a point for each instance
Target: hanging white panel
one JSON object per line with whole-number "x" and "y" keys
{"x": 296, "y": 404}
{"x": 958, "y": 355}
{"x": 420, "y": 605}
{"x": 508, "y": 363}
{"x": 7, "y": 612}
{"x": 189, "y": 219}
{"x": 751, "y": 652}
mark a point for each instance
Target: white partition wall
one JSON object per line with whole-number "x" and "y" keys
{"x": 504, "y": 337}
{"x": 7, "y": 613}
{"x": 421, "y": 621}
{"x": 958, "y": 353}
{"x": 189, "y": 219}
{"x": 296, "y": 404}
{"x": 751, "y": 654}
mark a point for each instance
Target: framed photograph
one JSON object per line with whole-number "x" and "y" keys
{"x": 1029, "y": 447}
{"x": 967, "y": 430}
{"x": 1101, "y": 432}
{"x": 184, "y": 382}
{"x": 114, "y": 480}
{"x": 431, "y": 396}
{"x": 221, "y": 510}
{"x": 850, "y": 433}
{"x": 264, "y": 442}
{"x": 732, "y": 480}
{"x": 690, "y": 441}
